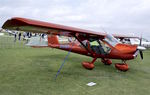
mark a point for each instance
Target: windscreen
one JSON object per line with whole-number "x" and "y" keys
{"x": 111, "y": 40}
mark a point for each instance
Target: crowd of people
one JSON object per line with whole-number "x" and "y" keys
{"x": 26, "y": 35}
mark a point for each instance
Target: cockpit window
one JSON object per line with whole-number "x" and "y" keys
{"x": 111, "y": 40}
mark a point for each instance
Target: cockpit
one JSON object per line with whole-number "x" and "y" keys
{"x": 101, "y": 46}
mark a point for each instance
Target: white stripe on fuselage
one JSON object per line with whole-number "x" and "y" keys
{"x": 64, "y": 46}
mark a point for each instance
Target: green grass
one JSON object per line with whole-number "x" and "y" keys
{"x": 31, "y": 71}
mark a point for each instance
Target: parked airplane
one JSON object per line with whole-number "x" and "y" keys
{"x": 136, "y": 41}
{"x": 93, "y": 44}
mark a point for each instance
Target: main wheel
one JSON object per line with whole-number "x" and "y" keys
{"x": 106, "y": 61}
{"x": 122, "y": 67}
{"x": 88, "y": 65}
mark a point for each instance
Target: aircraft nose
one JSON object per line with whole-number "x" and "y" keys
{"x": 141, "y": 48}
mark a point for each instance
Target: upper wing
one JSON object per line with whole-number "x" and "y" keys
{"x": 35, "y": 26}
{"x": 124, "y": 36}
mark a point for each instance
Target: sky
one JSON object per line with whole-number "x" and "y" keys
{"x": 127, "y": 17}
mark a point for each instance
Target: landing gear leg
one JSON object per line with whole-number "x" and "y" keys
{"x": 122, "y": 66}
{"x": 106, "y": 61}
{"x": 89, "y": 65}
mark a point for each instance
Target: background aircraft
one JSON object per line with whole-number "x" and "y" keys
{"x": 107, "y": 46}
{"x": 136, "y": 41}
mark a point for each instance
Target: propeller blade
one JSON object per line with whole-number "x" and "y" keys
{"x": 141, "y": 54}
{"x": 141, "y": 40}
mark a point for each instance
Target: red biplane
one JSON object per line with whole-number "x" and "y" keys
{"x": 90, "y": 43}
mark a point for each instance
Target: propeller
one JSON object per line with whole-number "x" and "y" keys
{"x": 140, "y": 41}
{"x": 140, "y": 50}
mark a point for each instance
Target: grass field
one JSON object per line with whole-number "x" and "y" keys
{"x": 31, "y": 71}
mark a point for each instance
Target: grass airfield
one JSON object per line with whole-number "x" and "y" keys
{"x": 31, "y": 71}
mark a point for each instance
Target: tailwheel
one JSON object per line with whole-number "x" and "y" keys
{"x": 88, "y": 65}
{"x": 106, "y": 61}
{"x": 122, "y": 67}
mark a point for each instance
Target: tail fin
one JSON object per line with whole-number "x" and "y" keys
{"x": 53, "y": 40}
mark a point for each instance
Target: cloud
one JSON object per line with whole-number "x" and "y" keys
{"x": 115, "y": 16}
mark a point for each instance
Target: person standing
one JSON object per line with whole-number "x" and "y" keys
{"x": 24, "y": 35}
{"x": 19, "y": 36}
{"x": 15, "y": 36}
